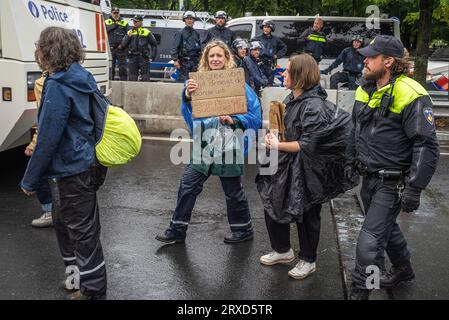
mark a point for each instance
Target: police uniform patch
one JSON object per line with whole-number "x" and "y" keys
{"x": 428, "y": 114}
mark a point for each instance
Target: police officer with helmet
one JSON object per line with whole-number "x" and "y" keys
{"x": 219, "y": 31}
{"x": 273, "y": 49}
{"x": 142, "y": 49}
{"x": 352, "y": 65}
{"x": 117, "y": 28}
{"x": 186, "y": 50}
{"x": 395, "y": 148}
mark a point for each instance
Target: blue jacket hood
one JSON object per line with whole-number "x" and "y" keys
{"x": 77, "y": 78}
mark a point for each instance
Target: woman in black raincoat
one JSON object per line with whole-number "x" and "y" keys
{"x": 310, "y": 166}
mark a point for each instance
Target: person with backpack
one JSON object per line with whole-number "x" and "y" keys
{"x": 65, "y": 155}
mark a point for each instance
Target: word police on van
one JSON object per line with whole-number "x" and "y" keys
{"x": 48, "y": 13}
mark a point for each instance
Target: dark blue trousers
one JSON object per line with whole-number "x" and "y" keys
{"x": 380, "y": 231}
{"x": 191, "y": 186}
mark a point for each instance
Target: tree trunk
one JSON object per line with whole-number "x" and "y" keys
{"x": 424, "y": 33}
{"x": 206, "y": 5}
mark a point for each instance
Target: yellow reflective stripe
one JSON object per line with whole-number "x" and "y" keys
{"x": 361, "y": 95}
{"x": 405, "y": 91}
{"x": 123, "y": 23}
{"x": 317, "y": 38}
{"x": 109, "y": 22}
{"x": 141, "y": 32}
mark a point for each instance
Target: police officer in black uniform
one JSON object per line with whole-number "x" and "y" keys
{"x": 395, "y": 148}
{"x": 219, "y": 32}
{"x": 273, "y": 49}
{"x": 142, "y": 49}
{"x": 314, "y": 40}
{"x": 352, "y": 65}
{"x": 186, "y": 50}
{"x": 117, "y": 28}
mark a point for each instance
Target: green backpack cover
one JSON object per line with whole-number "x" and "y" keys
{"x": 117, "y": 137}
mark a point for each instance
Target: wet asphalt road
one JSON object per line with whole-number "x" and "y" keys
{"x": 136, "y": 203}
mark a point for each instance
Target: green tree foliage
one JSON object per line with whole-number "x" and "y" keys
{"x": 406, "y": 10}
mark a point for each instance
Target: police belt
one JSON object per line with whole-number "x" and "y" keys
{"x": 385, "y": 175}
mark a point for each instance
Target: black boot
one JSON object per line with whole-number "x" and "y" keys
{"x": 170, "y": 237}
{"x": 396, "y": 275}
{"x": 359, "y": 294}
{"x": 239, "y": 236}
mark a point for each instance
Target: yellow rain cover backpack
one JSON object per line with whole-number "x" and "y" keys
{"x": 117, "y": 137}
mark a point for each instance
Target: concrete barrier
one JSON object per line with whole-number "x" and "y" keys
{"x": 156, "y": 105}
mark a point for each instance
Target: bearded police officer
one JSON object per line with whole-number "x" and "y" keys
{"x": 314, "y": 40}
{"x": 186, "y": 50}
{"x": 142, "y": 49}
{"x": 352, "y": 65}
{"x": 219, "y": 32}
{"x": 395, "y": 149}
{"x": 117, "y": 28}
{"x": 272, "y": 49}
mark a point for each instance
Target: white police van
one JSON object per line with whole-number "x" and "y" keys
{"x": 21, "y": 22}
{"x": 338, "y": 30}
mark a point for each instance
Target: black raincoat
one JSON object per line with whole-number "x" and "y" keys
{"x": 315, "y": 174}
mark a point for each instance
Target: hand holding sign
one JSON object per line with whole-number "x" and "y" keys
{"x": 218, "y": 93}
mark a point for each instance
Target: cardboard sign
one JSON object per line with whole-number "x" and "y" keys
{"x": 219, "y": 93}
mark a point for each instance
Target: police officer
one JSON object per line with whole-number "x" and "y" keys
{"x": 219, "y": 32}
{"x": 352, "y": 65}
{"x": 254, "y": 64}
{"x": 395, "y": 148}
{"x": 117, "y": 28}
{"x": 142, "y": 49}
{"x": 186, "y": 50}
{"x": 314, "y": 40}
{"x": 240, "y": 49}
{"x": 273, "y": 48}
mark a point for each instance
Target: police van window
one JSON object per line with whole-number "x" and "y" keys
{"x": 340, "y": 33}
{"x": 288, "y": 32}
{"x": 242, "y": 30}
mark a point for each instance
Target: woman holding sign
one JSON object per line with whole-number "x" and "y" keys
{"x": 310, "y": 167}
{"x": 216, "y": 56}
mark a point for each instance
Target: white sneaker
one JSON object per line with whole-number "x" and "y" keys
{"x": 43, "y": 221}
{"x": 302, "y": 270}
{"x": 274, "y": 258}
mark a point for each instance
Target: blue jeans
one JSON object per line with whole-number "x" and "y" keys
{"x": 43, "y": 193}
{"x": 191, "y": 186}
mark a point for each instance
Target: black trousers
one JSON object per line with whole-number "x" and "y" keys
{"x": 120, "y": 56}
{"x": 187, "y": 66}
{"x": 344, "y": 77}
{"x": 191, "y": 186}
{"x": 268, "y": 71}
{"x": 136, "y": 63}
{"x": 77, "y": 224}
{"x": 308, "y": 234}
{"x": 379, "y": 232}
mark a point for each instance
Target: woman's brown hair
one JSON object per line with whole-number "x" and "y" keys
{"x": 304, "y": 72}
{"x": 204, "y": 62}
{"x": 57, "y": 49}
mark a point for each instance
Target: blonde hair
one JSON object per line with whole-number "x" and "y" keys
{"x": 401, "y": 65}
{"x": 204, "y": 62}
{"x": 304, "y": 72}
